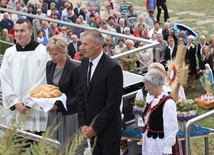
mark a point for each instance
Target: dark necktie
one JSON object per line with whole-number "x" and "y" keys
{"x": 89, "y": 74}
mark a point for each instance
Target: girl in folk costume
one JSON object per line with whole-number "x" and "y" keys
{"x": 160, "y": 117}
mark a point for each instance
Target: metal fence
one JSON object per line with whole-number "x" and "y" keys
{"x": 187, "y": 132}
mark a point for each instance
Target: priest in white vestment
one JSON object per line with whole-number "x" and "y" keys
{"x": 22, "y": 69}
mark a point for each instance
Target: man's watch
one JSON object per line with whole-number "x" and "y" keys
{"x": 13, "y": 108}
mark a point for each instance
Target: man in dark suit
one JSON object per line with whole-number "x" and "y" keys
{"x": 100, "y": 96}
{"x": 73, "y": 47}
{"x": 166, "y": 30}
{"x": 78, "y": 10}
{"x": 121, "y": 26}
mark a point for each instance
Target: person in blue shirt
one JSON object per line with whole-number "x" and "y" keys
{"x": 65, "y": 18}
{"x": 40, "y": 39}
{"x": 6, "y": 23}
{"x": 183, "y": 34}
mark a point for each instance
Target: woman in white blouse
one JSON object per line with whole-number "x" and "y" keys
{"x": 160, "y": 117}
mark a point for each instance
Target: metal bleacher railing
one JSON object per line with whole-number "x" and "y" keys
{"x": 56, "y": 145}
{"x": 187, "y": 132}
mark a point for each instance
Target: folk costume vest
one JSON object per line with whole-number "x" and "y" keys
{"x": 154, "y": 123}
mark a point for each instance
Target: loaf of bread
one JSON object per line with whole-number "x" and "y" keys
{"x": 45, "y": 91}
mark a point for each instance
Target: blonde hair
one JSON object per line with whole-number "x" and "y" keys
{"x": 211, "y": 40}
{"x": 191, "y": 37}
{"x": 67, "y": 4}
{"x": 53, "y": 4}
{"x": 9, "y": 7}
{"x": 202, "y": 37}
{"x": 159, "y": 67}
{"x": 181, "y": 40}
{"x": 57, "y": 43}
{"x": 207, "y": 55}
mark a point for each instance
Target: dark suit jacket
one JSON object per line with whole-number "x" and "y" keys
{"x": 190, "y": 56}
{"x": 68, "y": 84}
{"x": 44, "y": 7}
{"x": 119, "y": 30}
{"x": 58, "y": 3}
{"x": 102, "y": 99}
{"x": 203, "y": 62}
{"x": 165, "y": 33}
{"x": 167, "y": 53}
{"x": 71, "y": 49}
{"x": 80, "y": 13}
{"x": 199, "y": 53}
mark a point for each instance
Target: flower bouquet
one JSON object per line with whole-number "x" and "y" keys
{"x": 139, "y": 106}
{"x": 186, "y": 110}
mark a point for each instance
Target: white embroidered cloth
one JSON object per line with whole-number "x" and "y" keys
{"x": 45, "y": 103}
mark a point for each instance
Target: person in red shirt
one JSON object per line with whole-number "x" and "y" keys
{"x": 140, "y": 28}
{"x": 55, "y": 29}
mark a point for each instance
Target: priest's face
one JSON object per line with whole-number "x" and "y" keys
{"x": 22, "y": 34}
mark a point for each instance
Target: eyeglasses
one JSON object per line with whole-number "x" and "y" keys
{"x": 147, "y": 86}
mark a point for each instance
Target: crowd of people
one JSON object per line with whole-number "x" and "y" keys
{"x": 91, "y": 47}
{"x": 121, "y": 18}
